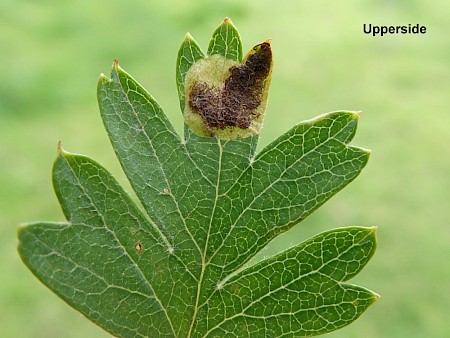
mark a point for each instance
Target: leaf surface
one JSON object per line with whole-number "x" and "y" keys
{"x": 177, "y": 268}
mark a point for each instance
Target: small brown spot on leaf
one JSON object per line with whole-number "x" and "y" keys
{"x": 138, "y": 247}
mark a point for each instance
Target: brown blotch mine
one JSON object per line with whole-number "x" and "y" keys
{"x": 138, "y": 247}
{"x": 235, "y": 104}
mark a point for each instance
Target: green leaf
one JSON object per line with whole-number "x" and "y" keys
{"x": 176, "y": 265}
{"x": 226, "y": 41}
{"x": 296, "y": 292}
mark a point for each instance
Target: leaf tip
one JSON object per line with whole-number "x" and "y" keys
{"x": 115, "y": 67}
{"x": 188, "y": 37}
{"x": 102, "y": 78}
{"x": 374, "y": 232}
{"x": 364, "y": 151}
{"x": 376, "y": 296}
{"x": 61, "y": 151}
{"x": 368, "y": 152}
{"x": 115, "y": 70}
{"x": 21, "y": 231}
{"x": 356, "y": 114}
{"x": 20, "y": 228}
{"x": 228, "y": 23}
{"x": 59, "y": 148}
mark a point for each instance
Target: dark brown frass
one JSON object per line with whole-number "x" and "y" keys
{"x": 236, "y": 103}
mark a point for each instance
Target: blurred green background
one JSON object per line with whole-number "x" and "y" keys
{"x": 53, "y": 51}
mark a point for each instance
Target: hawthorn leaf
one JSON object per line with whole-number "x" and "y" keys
{"x": 296, "y": 292}
{"x": 176, "y": 264}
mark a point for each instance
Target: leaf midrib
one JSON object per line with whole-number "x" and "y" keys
{"x": 183, "y": 147}
{"x": 285, "y": 286}
{"x": 204, "y": 264}
{"x": 258, "y": 157}
{"x": 161, "y": 168}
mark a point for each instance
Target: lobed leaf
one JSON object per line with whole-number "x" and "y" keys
{"x": 92, "y": 262}
{"x": 285, "y": 183}
{"x": 177, "y": 267}
{"x": 295, "y": 293}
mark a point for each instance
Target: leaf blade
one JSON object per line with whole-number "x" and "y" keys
{"x": 226, "y": 41}
{"x": 176, "y": 269}
{"x": 99, "y": 241}
{"x": 287, "y": 181}
{"x": 189, "y": 53}
{"x": 297, "y": 292}
{"x": 155, "y": 161}
{"x": 221, "y": 161}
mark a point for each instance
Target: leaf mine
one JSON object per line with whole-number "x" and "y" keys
{"x": 227, "y": 99}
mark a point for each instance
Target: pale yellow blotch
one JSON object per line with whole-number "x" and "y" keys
{"x": 212, "y": 70}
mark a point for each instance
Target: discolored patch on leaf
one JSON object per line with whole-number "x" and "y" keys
{"x": 228, "y": 99}
{"x": 138, "y": 247}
